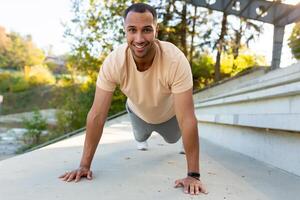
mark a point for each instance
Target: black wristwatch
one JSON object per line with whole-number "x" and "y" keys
{"x": 195, "y": 175}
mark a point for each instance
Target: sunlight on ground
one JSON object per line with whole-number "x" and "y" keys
{"x": 116, "y": 133}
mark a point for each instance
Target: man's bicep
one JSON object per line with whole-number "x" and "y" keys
{"x": 102, "y": 101}
{"x": 184, "y": 105}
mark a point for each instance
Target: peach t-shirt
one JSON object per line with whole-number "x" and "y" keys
{"x": 149, "y": 93}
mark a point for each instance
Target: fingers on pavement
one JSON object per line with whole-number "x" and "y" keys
{"x": 71, "y": 176}
{"x": 178, "y": 183}
{"x": 78, "y": 176}
{"x": 90, "y": 175}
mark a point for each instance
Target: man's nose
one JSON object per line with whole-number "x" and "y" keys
{"x": 139, "y": 38}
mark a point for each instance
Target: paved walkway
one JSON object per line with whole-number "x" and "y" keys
{"x": 122, "y": 172}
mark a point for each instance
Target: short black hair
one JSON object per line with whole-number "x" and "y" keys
{"x": 141, "y": 8}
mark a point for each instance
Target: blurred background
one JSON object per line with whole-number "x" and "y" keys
{"x": 51, "y": 52}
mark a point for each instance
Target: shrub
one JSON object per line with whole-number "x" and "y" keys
{"x": 202, "y": 69}
{"x": 77, "y": 102}
{"x": 294, "y": 41}
{"x": 64, "y": 81}
{"x": 19, "y": 84}
{"x": 12, "y": 82}
{"x": 35, "y": 126}
{"x": 5, "y": 82}
{"x": 40, "y": 75}
{"x": 203, "y": 66}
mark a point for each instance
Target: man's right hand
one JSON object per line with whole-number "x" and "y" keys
{"x": 77, "y": 174}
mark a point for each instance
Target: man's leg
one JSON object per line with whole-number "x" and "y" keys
{"x": 169, "y": 130}
{"x": 141, "y": 129}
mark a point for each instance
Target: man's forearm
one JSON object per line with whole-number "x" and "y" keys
{"x": 191, "y": 144}
{"x": 94, "y": 128}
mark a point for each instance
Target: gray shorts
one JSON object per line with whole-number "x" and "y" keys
{"x": 142, "y": 130}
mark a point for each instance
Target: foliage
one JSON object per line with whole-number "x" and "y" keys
{"x": 197, "y": 30}
{"x": 231, "y": 66}
{"x": 52, "y": 66}
{"x": 16, "y": 51}
{"x": 13, "y": 82}
{"x": 118, "y": 102}
{"x": 35, "y": 127}
{"x": 76, "y": 103}
{"x": 64, "y": 81}
{"x": 39, "y": 75}
{"x": 202, "y": 69}
{"x": 203, "y": 66}
{"x": 184, "y": 25}
{"x": 19, "y": 82}
{"x": 5, "y": 82}
{"x": 40, "y": 97}
{"x": 294, "y": 41}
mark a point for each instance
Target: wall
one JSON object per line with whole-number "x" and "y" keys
{"x": 258, "y": 117}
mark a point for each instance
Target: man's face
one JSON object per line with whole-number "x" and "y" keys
{"x": 140, "y": 29}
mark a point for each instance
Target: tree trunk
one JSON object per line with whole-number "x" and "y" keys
{"x": 220, "y": 45}
{"x": 183, "y": 29}
{"x": 167, "y": 16}
{"x": 193, "y": 34}
{"x": 237, "y": 42}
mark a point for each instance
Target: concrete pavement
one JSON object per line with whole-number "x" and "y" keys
{"x": 122, "y": 172}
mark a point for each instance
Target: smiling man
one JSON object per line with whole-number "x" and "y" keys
{"x": 156, "y": 77}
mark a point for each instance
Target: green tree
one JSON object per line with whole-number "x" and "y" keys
{"x": 235, "y": 33}
{"x": 182, "y": 24}
{"x": 5, "y": 42}
{"x": 294, "y": 41}
{"x": 17, "y": 51}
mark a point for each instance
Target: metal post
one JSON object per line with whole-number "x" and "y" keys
{"x": 277, "y": 46}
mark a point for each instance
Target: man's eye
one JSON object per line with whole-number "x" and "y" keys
{"x": 131, "y": 30}
{"x": 147, "y": 30}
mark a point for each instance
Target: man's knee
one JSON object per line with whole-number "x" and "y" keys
{"x": 141, "y": 137}
{"x": 172, "y": 140}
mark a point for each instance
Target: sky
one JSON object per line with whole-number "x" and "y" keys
{"x": 40, "y": 18}
{"x": 43, "y": 20}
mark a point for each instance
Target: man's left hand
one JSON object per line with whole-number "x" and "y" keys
{"x": 191, "y": 186}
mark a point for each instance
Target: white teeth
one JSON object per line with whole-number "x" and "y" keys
{"x": 139, "y": 46}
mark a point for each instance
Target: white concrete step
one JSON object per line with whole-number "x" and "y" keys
{"x": 259, "y": 118}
